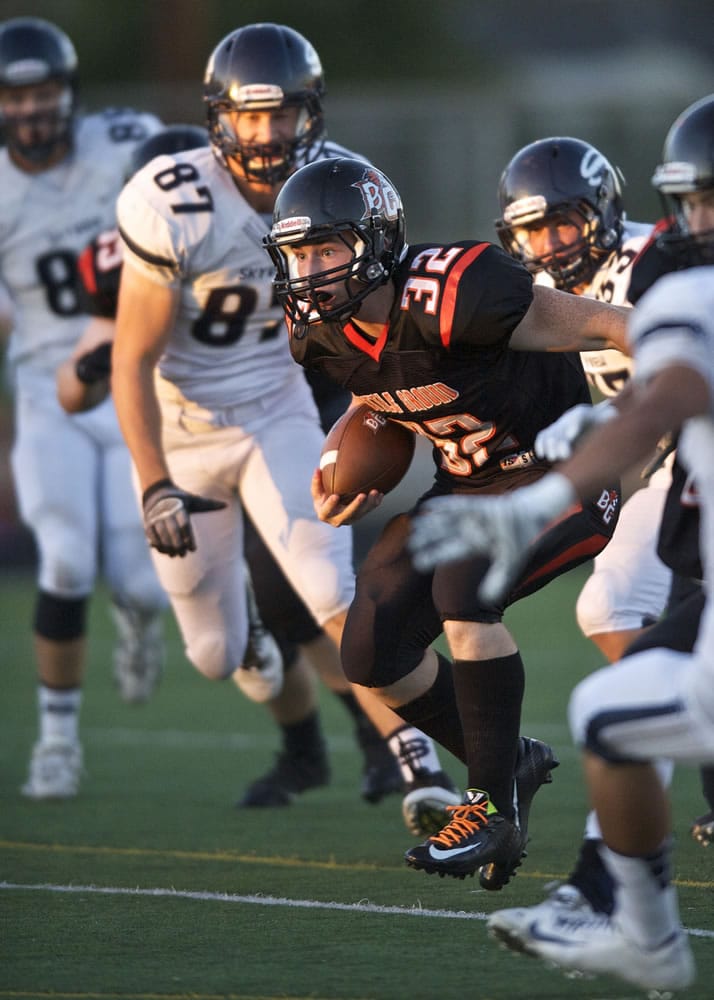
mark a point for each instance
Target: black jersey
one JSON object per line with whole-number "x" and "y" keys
{"x": 678, "y": 542}
{"x": 99, "y": 272}
{"x": 443, "y": 365}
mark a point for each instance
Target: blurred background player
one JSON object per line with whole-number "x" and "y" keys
{"x": 228, "y": 416}
{"x": 60, "y": 173}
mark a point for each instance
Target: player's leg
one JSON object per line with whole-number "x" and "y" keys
{"x": 627, "y": 590}
{"x": 54, "y": 469}
{"x": 316, "y": 559}
{"x": 138, "y": 599}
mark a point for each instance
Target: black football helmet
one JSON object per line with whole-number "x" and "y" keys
{"x": 171, "y": 139}
{"x": 552, "y": 178}
{"x": 338, "y": 198}
{"x": 687, "y": 167}
{"x": 259, "y": 68}
{"x": 33, "y": 51}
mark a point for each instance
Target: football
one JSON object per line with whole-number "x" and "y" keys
{"x": 365, "y": 451}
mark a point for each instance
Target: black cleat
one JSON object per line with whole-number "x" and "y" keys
{"x": 534, "y": 764}
{"x": 476, "y": 835}
{"x": 291, "y": 775}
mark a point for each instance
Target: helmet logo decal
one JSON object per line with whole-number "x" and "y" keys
{"x": 378, "y": 195}
{"x": 593, "y": 167}
{"x": 256, "y": 93}
{"x": 525, "y": 210}
{"x": 293, "y": 228}
{"x": 26, "y": 71}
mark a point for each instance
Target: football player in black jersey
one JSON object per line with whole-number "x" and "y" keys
{"x": 454, "y": 342}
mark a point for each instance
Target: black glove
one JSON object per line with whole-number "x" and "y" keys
{"x": 95, "y": 365}
{"x": 166, "y": 517}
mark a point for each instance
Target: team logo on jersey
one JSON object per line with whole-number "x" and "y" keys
{"x": 378, "y": 195}
{"x": 608, "y": 504}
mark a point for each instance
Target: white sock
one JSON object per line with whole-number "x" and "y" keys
{"x": 645, "y": 903}
{"x": 59, "y": 714}
{"x": 415, "y": 752}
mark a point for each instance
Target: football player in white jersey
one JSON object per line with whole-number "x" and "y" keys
{"x": 562, "y": 215}
{"x": 658, "y": 701}
{"x": 60, "y": 173}
{"x": 217, "y": 416}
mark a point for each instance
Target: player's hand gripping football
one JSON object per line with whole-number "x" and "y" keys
{"x": 557, "y": 441}
{"x": 167, "y": 521}
{"x": 501, "y": 527}
{"x": 331, "y": 509}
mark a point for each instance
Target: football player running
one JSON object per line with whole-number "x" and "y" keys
{"x": 657, "y": 702}
{"x": 60, "y": 173}
{"x": 217, "y": 417}
{"x": 454, "y": 341}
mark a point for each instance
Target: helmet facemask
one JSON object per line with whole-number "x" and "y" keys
{"x": 570, "y": 265}
{"x": 310, "y": 299}
{"x": 36, "y": 135}
{"x": 673, "y": 181}
{"x": 269, "y": 162}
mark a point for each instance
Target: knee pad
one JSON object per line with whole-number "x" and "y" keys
{"x": 595, "y": 605}
{"x": 210, "y": 656}
{"x": 60, "y": 618}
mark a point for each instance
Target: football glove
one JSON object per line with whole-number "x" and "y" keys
{"x": 555, "y": 443}
{"x": 94, "y": 365}
{"x": 501, "y": 527}
{"x": 167, "y": 522}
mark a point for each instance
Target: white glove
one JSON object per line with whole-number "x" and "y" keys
{"x": 501, "y": 527}
{"x": 555, "y": 443}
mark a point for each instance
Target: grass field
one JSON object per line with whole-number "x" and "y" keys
{"x": 152, "y": 886}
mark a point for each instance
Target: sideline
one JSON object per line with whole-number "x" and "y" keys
{"x": 364, "y": 906}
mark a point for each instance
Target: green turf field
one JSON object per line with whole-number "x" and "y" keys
{"x": 152, "y": 885}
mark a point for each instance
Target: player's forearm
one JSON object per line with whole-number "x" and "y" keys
{"x": 672, "y": 397}
{"x": 76, "y": 396}
{"x": 140, "y": 418}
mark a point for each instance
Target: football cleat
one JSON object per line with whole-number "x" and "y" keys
{"x": 512, "y": 927}
{"x": 534, "y": 764}
{"x": 425, "y": 803}
{"x": 55, "y": 770}
{"x": 138, "y": 652}
{"x": 597, "y": 945}
{"x": 260, "y": 675}
{"x": 476, "y": 835}
{"x": 702, "y": 829}
{"x": 291, "y": 775}
{"x": 381, "y": 774}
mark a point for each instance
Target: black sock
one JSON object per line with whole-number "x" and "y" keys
{"x": 707, "y": 778}
{"x": 304, "y": 737}
{"x": 435, "y": 712}
{"x": 593, "y": 879}
{"x": 489, "y": 695}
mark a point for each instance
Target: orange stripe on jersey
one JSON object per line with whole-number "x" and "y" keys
{"x": 85, "y": 266}
{"x": 357, "y": 339}
{"x": 448, "y": 299}
{"x": 591, "y": 546}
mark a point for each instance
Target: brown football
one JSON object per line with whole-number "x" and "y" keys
{"x": 365, "y": 451}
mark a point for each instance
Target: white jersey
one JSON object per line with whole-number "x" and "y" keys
{"x": 660, "y": 703}
{"x": 608, "y": 370}
{"x": 46, "y": 220}
{"x": 674, "y": 323}
{"x": 185, "y": 225}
